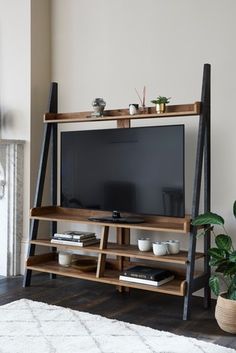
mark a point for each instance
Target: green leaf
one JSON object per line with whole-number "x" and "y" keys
{"x": 214, "y": 284}
{"x": 218, "y": 262}
{"x": 223, "y": 241}
{"x": 208, "y": 218}
{"x": 217, "y": 254}
{"x": 222, "y": 266}
{"x": 214, "y": 262}
{"x": 217, "y": 257}
{"x": 232, "y": 295}
{"x": 233, "y": 281}
{"x": 231, "y": 269}
{"x": 234, "y": 208}
{"x": 232, "y": 256}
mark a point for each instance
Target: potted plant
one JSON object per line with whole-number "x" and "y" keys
{"x": 161, "y": 102}
{"x": 223, "y": 260}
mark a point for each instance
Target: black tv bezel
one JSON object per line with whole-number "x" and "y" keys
{"x": 136, "y": 216}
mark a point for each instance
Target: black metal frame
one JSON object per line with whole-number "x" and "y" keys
{"x": 202, "y": 160}
{"x": 202, "y": 155}
{"x": 50, "y": 132}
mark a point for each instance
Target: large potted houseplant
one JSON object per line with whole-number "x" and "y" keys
{"x": 223, "y": 260}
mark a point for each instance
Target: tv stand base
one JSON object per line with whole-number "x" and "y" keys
{"x": 116, "y": 218}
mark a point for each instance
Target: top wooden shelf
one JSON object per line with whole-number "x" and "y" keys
{"x": 123, "y": 114}
{"x": 152, "y": 223}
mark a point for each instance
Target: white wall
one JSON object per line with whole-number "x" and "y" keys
{"x": 40, "y": 76}
{"x": 40, "y": 85}
{"x": 15, "y": 67}
{"x": 107, "y": 48}
{"x": 24, "y": 84}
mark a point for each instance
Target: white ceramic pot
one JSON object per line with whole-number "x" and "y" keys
{"x": 173, "y": 246}
{"x": 144, "y": 244}
{"x": 160, "y": 248}
{"x": 64, "y": 258}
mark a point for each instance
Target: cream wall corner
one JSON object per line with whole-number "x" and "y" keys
{"x": 24, "y": 85}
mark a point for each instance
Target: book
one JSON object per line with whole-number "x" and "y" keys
{"x": 146, "y": 281}
{"x": 77, "y": 243}
{"x": 149, "y": 273}
{"x": 75, "y": 239}
{"x": 75, "y": 235}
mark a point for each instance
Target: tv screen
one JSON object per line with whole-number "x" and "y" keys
{"x": 136, "y": 170}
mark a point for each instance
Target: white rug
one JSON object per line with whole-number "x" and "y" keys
{"x": 32, "y": 327}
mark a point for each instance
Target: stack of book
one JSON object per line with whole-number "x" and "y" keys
{"x": 72, "y": 237}
{"x": 147, "y": 275}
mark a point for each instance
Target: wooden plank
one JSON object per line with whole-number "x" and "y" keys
{"x": 130, "y": 251}
{"x": 119, "y": 114}
{"x": 152, "y": 223}
{"x": 133, "y": 252}
{"x": 101, "y": 265}
{"x": 120, "y": 259}
{"x": 104, "y": 238}
{"x": 122, "y": 238}
{"x": 175, "y": 287}
{"x": 38, "y": 259}
{"x": 124, "y": 123}
{"x": 102, "y": 257}
{"x": 46, "y": 242}
{"x": 119, "y": 242}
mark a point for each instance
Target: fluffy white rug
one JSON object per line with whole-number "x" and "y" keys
{"x": 32, "y": 327}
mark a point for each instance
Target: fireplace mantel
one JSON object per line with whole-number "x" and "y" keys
{"x": 11, "y": 205}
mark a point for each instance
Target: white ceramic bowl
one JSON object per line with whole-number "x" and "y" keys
{"x": 173, "y": 246}
{"x": 159, "y": 248}
{"x": 144, "y": 244}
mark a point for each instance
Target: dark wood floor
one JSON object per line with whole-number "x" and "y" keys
{"x": 160, "y": 312}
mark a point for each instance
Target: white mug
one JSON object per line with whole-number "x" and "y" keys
{"x": 144, "y": 244}
{"x": 160, "y": 248}
{"x": 173, "y": 246}
{"x": 64, "y": 258}
{"x": 133, "y": 109}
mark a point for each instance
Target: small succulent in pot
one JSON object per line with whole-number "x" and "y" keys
{"x": 160, "y": 103}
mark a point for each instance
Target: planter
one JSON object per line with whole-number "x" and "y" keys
{"x": 225, "y": 313}
{"x": 160, "y": 108}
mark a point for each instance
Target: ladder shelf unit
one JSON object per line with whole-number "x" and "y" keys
{"x": 186, "y": 280}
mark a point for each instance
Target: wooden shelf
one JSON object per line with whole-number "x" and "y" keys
{"x": 152, "y": 223}
{"x": 133, "y": 252}
{"x": 120, "y": 114}
{"x": 122, "y": 253}
{"x": 122, "y": 250}
{"x": 45, "y": 263}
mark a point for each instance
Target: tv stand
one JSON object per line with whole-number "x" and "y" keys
{"x": 122, "y": 253}
{"x": 117, "y": 218}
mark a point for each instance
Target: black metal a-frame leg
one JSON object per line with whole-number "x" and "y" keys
{"x": 203, "y": 154}
{"x": 49, "y": 131}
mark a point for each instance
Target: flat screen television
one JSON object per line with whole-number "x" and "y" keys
{"x": 137, "y": 170}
